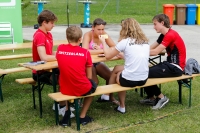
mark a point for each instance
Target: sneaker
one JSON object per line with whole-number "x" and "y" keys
{"x": 65, "y": 120}
{"x": 72, "y": 115}
{"x": 161, "y": 103}
{"x": 72, "y": 109}
{"x": 62, "y": 112}
{"x": 148, "y": 101}
{"x": 54, "y": 106}
{"x": 86, "y": 120}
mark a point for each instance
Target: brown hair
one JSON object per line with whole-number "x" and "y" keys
{"x": 98, "y": 21}
{"x": 47, "y": 16}
{"x": 131, "y": 28}
{"x": 73, "y": 33}
{"x": 164, "y": 18}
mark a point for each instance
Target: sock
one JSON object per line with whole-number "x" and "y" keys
{"x": 121, "y": 109}
{"x": 104, "y": 97}
{"x": 163, "y": 97}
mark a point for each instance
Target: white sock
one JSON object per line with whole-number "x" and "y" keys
{"x": 104, "y": 97}
{"x": 163, "y": 97}
{"x": 121, "y": 109}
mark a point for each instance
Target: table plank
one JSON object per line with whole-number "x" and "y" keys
{"x": 54, "y": 64}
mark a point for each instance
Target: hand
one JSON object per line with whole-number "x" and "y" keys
{"x": 102, "y": 39}
{"x": 96, "y": 47}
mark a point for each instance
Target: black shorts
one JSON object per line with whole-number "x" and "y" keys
{"x": 93, "y": 89}
{"x": 128, "y": 83}
{"x": 45, "y": 77}
{"x": 95, "y": 64}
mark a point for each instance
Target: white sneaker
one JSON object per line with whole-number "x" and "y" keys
{"x": 72, "y": 115}
{"x": 54, "y": 106}
{"x": 62, "y": 111}
{"x": 72, "y": 109}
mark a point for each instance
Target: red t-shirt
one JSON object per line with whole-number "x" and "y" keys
{"x": 41, "y": 39}
{"x": 175, "y": 47}
{"x": 72, "y": 63}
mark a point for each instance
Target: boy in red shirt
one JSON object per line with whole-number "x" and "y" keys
{"x": 75, "y": 67}
{"x": 42, "y": 47}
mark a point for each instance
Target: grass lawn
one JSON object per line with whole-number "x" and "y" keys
{"x": 18, "y": 116}
{"x": 141, "y": 10}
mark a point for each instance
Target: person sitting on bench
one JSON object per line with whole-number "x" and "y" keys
{"x": 92, "y": 43}
{"x": 42, "y": 49}
{"x": 134, "y": 45}
{"x": 75, "y": 65}
{"x": 173, "y": 67}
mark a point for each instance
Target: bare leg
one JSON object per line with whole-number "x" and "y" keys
{"x": 103, "y": 71}
{"x": 121, "y": 94}
{"x": 86, "y": 105}
{"x": 94, "y": 75}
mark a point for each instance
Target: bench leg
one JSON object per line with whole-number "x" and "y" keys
{"x": 56, "y": 112}
{"x": 187, "y": 84}
{"x": 1, "y": 80}
{"x": 77, "y": 114}
{"x": 180, "y": 92}
{"x": 1, "y": 94}
{"x": 141, "y": 92}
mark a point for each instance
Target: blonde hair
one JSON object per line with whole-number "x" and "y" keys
{"x": 131, "y": 29}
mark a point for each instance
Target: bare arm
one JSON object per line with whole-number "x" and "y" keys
{"x": 89, "y": 72}
{"x": 157, "y": 50}
{"x": 43, "y": 56}
{"x": 109, "y": 41}
{"x": 86, "y": 42}
{"x": 154, "y": 45}
{"x": 109, "y": 52}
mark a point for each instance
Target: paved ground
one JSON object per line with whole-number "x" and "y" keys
{"x": 189, "y": 33}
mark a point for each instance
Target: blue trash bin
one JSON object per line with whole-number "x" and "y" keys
{"x": 191, "y": 14}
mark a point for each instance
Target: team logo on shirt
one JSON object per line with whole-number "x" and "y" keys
{"x": 71, "y": 53}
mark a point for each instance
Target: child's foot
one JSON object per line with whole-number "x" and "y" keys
{"x": 86, "y": 120}
{"x": 120, "y": 110}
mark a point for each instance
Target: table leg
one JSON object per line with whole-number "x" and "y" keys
{"x": 54, "y": 83}
{"x": 39, "y": 95}
{"x": 54, "y": 80}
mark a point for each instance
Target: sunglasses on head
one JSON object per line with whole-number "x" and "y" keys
{"x": 100, "y": 23}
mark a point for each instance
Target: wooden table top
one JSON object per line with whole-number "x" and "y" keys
{"x": 54, "y": 64}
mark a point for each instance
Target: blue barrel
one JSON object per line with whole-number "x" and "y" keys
{"x": 40, "y": 7}
{"x": 191, "y": 14}
{"x": 87, "y": 14}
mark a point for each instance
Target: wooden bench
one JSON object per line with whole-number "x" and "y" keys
{"x": 33, "y": 83}
{"x": 57, "y": 97}
{"x": 4, "y": 72}
{"x": 4, "y": 47}
{"x": 34, "y": 86}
